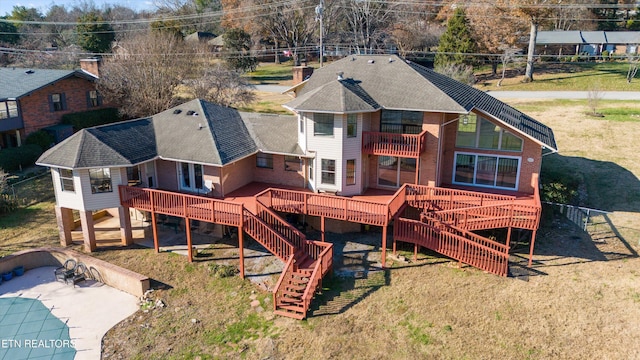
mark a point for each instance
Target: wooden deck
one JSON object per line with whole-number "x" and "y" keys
{"x": 447, "y": 218}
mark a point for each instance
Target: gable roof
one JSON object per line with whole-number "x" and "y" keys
{"x": 196, "y": 131}
{"x": 338, "y": 96}
{"x": 18, "y": 82}
{"x": 390, "y": 82}
{"x": 575, "y": 37}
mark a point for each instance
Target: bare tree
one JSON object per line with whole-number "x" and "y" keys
{"x": 534, "y": 12}
{"x": 367, "y": 20}
{"x": 148, "y": 72}
{"x": 509, "y": 54}
{"x": 223, "y": 87}
{"x": 593, "y": 100}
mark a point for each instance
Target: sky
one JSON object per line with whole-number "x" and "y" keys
{"x": 43, "y": 5}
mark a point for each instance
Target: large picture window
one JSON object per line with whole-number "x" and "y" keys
{"x": 328, "y": 172}
{"x": 480, "y": 133}
{"x": 100, "y": 180}
{"x": 322, "y": 124}
{"x": 264, "y": 161}
{"x": 401, "y": 122}
{"x": 487, "y": 170}
{"x": 66, "y": 180}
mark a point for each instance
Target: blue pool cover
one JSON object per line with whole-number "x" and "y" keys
{"x": 28, "y": 330}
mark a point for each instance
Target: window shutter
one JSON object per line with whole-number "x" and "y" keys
{"x": 51, "y": 108}
{"x": 99, "y": 98}
{"x": 63, "y": 101}
{"x": 88, "y": 99}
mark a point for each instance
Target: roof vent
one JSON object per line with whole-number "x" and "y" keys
{"x": 371, "y": 61}
{"x": 29, "y": 72}
{"x": 353, "y": 58}
{"x": 191, "y": 112}
{"x": 391, "y": 60}
{"x": 177, "y": 111}
{"x": 340, "y": 75}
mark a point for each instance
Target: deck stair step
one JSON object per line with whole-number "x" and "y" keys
{"x": 292, "y": 314}
{"x": 295, "y": 287}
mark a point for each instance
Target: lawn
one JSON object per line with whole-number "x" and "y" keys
{"x": 581, "y": 300}
{"x": 603, "y": 76}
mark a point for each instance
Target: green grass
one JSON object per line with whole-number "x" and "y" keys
{"x": 268, "y": 73}
{"x": 605, "y": 76}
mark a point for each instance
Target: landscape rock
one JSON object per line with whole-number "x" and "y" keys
{"x": 255, "y": 303}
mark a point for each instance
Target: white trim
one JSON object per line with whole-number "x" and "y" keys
{"x": 475, "y": 170}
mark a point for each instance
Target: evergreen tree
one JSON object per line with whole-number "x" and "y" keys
{"x": 237, "y": 44}
{"x": 94, "y": 34}
{"x": 456, "y": 42}
{"x": 8, "y": 32}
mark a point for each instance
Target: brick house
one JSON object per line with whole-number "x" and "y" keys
{"x": 33, "y": 99}
{"x": 372, "y": 138}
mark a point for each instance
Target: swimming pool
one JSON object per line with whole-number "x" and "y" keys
{"x": 28, "y": 330}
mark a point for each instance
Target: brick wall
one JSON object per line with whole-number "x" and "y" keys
{"x": 278, "y": 175}
{"x": 36, "y": 112}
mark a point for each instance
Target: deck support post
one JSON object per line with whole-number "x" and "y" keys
{"x": 154, "y": 227}
{"x": 394, "y": 247}
{"x": 383, "y": 257}
{"x": 88, "y": 231}
{"x": 508, "y": 239}
{"x": 533, "y": 241}
{"x": 126, "y": 234}
{"x": 322, "y": 220}
{"x": 187, "y": 228}
{"x": 64, "y": 217}
{"x": 415, "y": 252}
{"x": 417, "y": 170}
{"x": 241, "y": 244}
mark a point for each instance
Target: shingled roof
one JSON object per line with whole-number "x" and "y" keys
{"x": 389, "y": 82}
{"x": 18, "y": 82}
{"x": 196, "y": 131}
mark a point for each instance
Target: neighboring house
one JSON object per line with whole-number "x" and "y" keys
{"x": 384, "y": 134}
{"x": 199, "y": 37}
{"x": 589, "y": 42}
{"x": 33, "y": 99}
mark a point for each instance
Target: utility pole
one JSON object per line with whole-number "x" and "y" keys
{"x": 319, "y": 10}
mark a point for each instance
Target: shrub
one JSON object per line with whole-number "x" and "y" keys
{"x": 559, "y": 185}
{"x": 41, "y": 138}
{"x": 14, "y": 158}
{"x": 222, "y": 271}
{"x": 605, "y": 55}
{"x": 7, "y": 203}
{"x": 85, "y": 119}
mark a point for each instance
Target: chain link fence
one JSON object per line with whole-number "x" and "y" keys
{"x": 31, "y": 191}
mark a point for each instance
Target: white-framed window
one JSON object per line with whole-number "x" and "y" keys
{"x": 264, "y": 161}
{"x": 352, "y": 125}
{"x": 292, "y": 163}
{"x": 495, "y": 171}
{"x": 301, "y": 124}
{"x": 477, "y": 132}
{"x": 401, "y": 121}
{"x": 311, "y": 168}
{"x": 351, "y": 172}
{"x": 322, "y": 124}
{"x": 100, "y": 180}
{"x": 133, "y": 175}
{"x": 191, "y": 176}
{"x": 328, "y": 172}
{"x": 66, "y": 180}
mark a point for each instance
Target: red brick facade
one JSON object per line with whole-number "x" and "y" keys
{"x": 36, "y": 109}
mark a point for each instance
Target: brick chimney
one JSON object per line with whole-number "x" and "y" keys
{"x": 92, "y": 66}
{"x": 301, "y": 73}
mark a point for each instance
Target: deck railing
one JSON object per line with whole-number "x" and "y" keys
{"x": 315, "y": 280}
{"x": 334, "y": 207}
{"x": 268, "y": 237}
{"x": 490, "y": 217}
{"x": 392, "y": 144}
{"x": 438, "y": 198}
{"x": 295, "y": 236}
{"x": 457, "y": 244}
{"x": 182, "y": 205}
{"x": 278, "y": 289}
